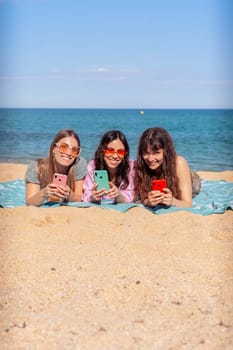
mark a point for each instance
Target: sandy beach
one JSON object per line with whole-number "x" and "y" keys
{"x": 91, "y": 278}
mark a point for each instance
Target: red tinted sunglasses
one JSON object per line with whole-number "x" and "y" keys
{"x": 108, "y": 152}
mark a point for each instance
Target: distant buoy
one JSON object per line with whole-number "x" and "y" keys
{"x": 141, "y": 112}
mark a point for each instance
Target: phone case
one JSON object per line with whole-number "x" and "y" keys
{"x": 158, "y": 185}
{"x": 59, "y": 179}
{"x": 101, "y": 178}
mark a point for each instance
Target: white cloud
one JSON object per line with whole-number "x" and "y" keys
{"x": 102, "y": 70}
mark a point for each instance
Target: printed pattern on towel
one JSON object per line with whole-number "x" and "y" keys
{"x": 12, "y": 194}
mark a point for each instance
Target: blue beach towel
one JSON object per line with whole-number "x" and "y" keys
{"x": 215, "y": 198}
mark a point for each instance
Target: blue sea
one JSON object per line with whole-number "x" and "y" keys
{"x": 203, "y": 137}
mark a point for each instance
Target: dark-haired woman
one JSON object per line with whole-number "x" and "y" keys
{"x": 112, "y": 154}
{"x": 157, "y": 159}
{"x": 64, "y": 158}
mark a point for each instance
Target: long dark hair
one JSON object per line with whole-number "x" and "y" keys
{"x": 46, "y": 166}
{"x": 154, "y": 139}
{"x": 123, "y": 167}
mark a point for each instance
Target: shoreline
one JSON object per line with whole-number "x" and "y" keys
{"x": 91, "y": 278}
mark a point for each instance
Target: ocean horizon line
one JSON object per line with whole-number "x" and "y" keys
{"x": 128, "y": 108}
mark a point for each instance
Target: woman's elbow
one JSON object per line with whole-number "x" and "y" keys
{"x": 189, "y": 204}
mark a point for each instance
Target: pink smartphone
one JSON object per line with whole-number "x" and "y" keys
{"x": 158, "y": 185}
{"x": 60, "y": 179}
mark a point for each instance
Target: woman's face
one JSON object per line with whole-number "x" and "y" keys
{"x": 153, "y": 158}
{"x": 114, "y": 153}
{"x": 66, "y": 151}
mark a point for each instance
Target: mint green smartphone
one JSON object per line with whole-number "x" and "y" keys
{"x": 101, "y": 178}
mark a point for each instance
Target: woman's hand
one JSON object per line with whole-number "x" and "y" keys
{"x": 113, "y": 192}
{"x": 167, "y": 198}
{"x": 97, "y": 194}
{"x": 64, "y": 192}
{"x": 157, "y": 197}
{"x": 55, "y": 192}
{"x": 154, "y": 198}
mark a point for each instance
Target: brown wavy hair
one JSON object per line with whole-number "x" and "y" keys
{"x": 123, "y": 168}
{"x": 46, "y": 166}
{"x": 154, "y": 139}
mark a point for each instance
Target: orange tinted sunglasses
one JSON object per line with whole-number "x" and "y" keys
{"x": 64, "y": 147}
{"x": 108, "y": 152}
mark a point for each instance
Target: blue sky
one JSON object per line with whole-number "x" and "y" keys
{"x": 116, "y": 54}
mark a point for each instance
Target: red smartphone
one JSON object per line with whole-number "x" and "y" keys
{"x": 158, "y": 185}
{"x": 60, "y": 179}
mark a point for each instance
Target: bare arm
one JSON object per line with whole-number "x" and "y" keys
{"x": 185, "y": 183}
{"x": 34, "y": 195}
{"x": 76, "y": 195}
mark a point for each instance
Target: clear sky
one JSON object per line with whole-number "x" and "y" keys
{"x": 116, "y": 53}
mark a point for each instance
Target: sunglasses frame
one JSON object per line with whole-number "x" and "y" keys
{"x": 113, "y": 151}
{"x": 68, "y": 147}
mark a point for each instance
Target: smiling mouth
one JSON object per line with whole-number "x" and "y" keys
{"x": 114, "y": 162}
{"x": 66, "y": 157}
{"x": 152, "y": 164}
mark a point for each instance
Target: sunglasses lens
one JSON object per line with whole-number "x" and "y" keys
{"x": 63, "y": 147}
{"x": 108, "y": 152}
{"x": 121, "y": 153}
{"x": 75, "y": 151}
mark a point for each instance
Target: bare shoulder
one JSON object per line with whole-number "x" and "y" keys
{"x": 181, "y": 161}
{"x": 181, "y": 165}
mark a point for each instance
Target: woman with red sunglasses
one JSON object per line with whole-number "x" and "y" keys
{"x": 63, "y": 162}
{"x": 112, "y": 155}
